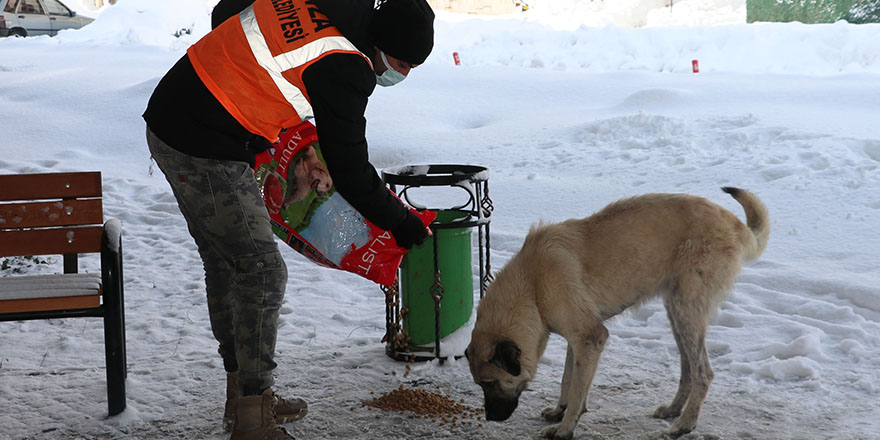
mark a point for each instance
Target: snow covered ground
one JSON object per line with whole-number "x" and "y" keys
{"x": 567, "y": 118}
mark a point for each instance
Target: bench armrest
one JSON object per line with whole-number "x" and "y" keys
{"x": 111, "y": 238}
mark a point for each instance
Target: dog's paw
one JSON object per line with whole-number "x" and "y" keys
{"x": 553, "y": 413}
{"x": 680, "y": 428}
{"x": 556, "y": 432}
{"x": 666, "y": 412}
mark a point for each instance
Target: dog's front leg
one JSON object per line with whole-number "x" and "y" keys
{"x": 554, "y": 414}
{"x": 585, "y": 353}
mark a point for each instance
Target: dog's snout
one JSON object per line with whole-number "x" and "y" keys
{"x": 497, "y": 417}
{"x": 500, "y": 410}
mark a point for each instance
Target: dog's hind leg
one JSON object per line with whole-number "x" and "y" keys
{"x": 673, "y": 409}
{"x": 554, "y": 414}
{"x": 688, "y": 308}
{"x": 586, "y": 349}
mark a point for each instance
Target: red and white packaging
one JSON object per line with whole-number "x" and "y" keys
{"x": 309, "y": 215}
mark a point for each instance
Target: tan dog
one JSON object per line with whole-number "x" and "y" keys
{"x": 569, "y": 277}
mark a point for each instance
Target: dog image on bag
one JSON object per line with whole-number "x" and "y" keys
{"x": 570, "y": 277}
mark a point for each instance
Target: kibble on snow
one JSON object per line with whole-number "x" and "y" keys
{"x": 423, "y": 403}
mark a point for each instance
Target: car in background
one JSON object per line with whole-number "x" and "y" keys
{"x": 37, "y": 17}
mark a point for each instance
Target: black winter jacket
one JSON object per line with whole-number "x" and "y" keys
{"x": 185, "y": 115}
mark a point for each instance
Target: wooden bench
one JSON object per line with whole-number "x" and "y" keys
{"x": 62, "y": 214}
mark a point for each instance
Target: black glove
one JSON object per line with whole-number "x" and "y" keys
{"x": 257, "y": 144}
{"x": 411, "y": 232}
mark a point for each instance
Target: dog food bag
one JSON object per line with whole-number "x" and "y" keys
{"x": 311, "y": 217}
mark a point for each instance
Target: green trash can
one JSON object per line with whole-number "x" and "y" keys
{"x": 454, "y": 289}
{"x": 433, "y": 296}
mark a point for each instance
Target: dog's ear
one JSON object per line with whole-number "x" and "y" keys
{"x": 506, "y": 356}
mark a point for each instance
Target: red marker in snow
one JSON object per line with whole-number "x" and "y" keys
{"x": 455, "y": 57}
{"x": 696, "y": 65}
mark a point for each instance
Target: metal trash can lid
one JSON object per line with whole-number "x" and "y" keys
{"x": 434, "y": 175}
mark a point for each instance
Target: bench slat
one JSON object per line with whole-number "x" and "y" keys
{"x": 47, "y": 304}
{"x": 58, "y": 213}
{"x": 50, "y": 241}
{"x": 40, "y": 286}
{"x": 50, "y": 186}
{"x": 49, "y": 278}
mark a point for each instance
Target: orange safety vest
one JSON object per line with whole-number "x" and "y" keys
{"x": 253, "y": 63}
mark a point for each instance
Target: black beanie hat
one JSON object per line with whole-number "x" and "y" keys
{"x": 404, "y": 29}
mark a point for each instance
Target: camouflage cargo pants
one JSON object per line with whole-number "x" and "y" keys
{"x": 245, "y": 276}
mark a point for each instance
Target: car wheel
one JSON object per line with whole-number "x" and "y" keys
{"x": 17, "y": 33}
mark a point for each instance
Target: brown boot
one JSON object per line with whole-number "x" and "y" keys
{"x": 256, "y": 419}
{"x": 289, "y": 410}
{"x": 286, "y": 410}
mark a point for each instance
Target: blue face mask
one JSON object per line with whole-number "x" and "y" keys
{"x": 390, "y": 76}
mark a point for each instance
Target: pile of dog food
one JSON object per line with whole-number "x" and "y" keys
{"x": 425, "y": 404}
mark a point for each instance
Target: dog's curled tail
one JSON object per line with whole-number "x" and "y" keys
{"x": 757, "y": 219}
